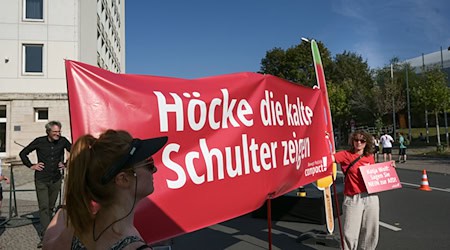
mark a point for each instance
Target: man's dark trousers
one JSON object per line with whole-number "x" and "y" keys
{"x": 47, "y": 192}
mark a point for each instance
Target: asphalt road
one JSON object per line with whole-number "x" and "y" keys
{"x": 410, "y": 219}
{"x": 424, "y": 217}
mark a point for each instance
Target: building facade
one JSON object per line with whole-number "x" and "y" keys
{"x": 36, "y": 37}
{"x": 440, "y": 59}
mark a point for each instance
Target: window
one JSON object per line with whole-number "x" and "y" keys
{"x": 3, "y": 120}
{"x": 40, "y": 114}
{"x": 34, "y": 9}
{"x": 2, "y": 111}
{"x": 32, "y": 58}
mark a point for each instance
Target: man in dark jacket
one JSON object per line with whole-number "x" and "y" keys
{"x": 47, "y": 174}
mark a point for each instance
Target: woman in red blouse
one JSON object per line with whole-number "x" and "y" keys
{"x": 360, "y": 209}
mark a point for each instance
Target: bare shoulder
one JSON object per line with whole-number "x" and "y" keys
{"x": 58, "y": 235}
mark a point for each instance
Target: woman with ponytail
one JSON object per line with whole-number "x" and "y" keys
{"x": 107, "y": 177}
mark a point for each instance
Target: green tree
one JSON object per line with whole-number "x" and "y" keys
{"x": 349, "y": 79}
{"x": 339, "y": 107}
{"x": 433, "y": 94}
{"x": 353, "y": 75}
{"x": 390, "y": 94}
{"x": 296, "y": 63}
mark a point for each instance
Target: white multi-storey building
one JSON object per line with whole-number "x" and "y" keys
{"x": 36, "y": 36}
{"x": 439, "y": 59}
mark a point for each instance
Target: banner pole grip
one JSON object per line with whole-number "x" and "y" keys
{"x": 336, "y": 202}
{"x": 269, "y": 219}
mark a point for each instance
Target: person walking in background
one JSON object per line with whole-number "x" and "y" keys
{"x": 402, "y": 149}
{"x": 107, "y": 177}
{"x": 361, "y": 210}
{"x": 386, "y": 142}
{"x": 376, "y": 143}
{"x": 47, "y": 175}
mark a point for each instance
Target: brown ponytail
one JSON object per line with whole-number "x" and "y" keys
{"x": 89, "y": 160}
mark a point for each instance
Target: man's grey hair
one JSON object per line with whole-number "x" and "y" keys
{"x": 49, "y": 125}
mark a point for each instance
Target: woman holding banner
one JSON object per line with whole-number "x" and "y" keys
{"x": 107, "y": 176}
{"x": 360, "y": 209}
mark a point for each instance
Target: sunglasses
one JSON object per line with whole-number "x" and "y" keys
{"x": 360, "y": 140}
{"x": 149, "y": 164}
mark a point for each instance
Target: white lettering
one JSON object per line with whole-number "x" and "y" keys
{"x": 295, "y": 150}
{"x": 181, "y": 180}
{"x": 193, "y": 105}
{"x": 212, "y": 111}
{"x": 271, "y": 111}
{"x": 243, "y": 110}
{"x": 297, "y": 113}
{"x": 190, "y": 167}
{"x": 208, "y": 155}
{"x": 228, "y": 110}
{"x": 165, "y": 108}
{"x": 220, "y": 163}
{"x": 219, "y": 114}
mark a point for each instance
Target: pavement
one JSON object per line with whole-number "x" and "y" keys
{"x": 20, "y": 230}
{"x": 419, "y": 159}
{"x": 17, "y": 230}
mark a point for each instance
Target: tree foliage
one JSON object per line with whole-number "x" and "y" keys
{"x": 353, "y": 75}
{"x": 390, "y": 90}
{"x": 433, "y": 93}
{"x": 391, "y": 93}
{"x": 357, "y": 92}
{"x": 339, "y": 105}
{"x": 295, "y": 64}
{"x": 349, "y": 81}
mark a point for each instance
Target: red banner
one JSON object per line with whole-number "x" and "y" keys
{"x": 234, "y": 140}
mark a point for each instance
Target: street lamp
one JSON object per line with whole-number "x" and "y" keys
{"x": 426, "y": 110}
{"x": 393, "y": 103}
{"x": 408, "y": 103}
{"x": 445, "y": 110}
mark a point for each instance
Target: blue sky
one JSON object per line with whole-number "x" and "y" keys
{"x": 198, "y": 38}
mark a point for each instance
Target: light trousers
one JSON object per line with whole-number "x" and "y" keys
{"x": 361, "y": 213}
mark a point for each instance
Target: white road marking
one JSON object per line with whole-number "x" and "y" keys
{"x": 224, "y": 229}
{"x": 393, "y": 228}
{"x": 278, "y": 232}
{"x": 415, "y": 185}
{"x": 433, "y": 188}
